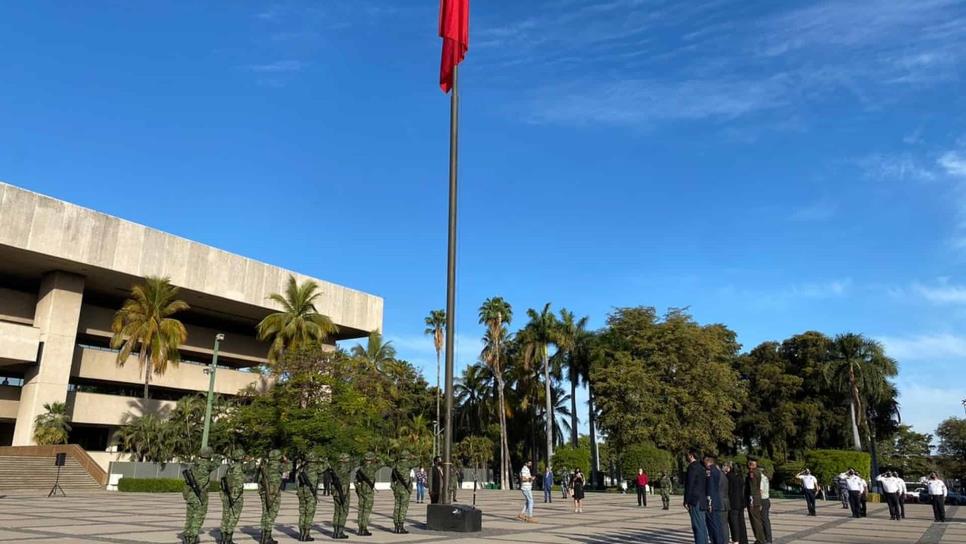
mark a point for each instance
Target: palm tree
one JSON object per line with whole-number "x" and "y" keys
{"x": 53, "y": 426}
{"x": 860, "y": 369}
{"x": 570, "y": 334}
{"x": 496, "y": 314}
{"x": 144, "y": 322}
{"x": 298, "y": 325}
{"x": 541, "y": 331}
{"x": 376, "y": 353}
{"x": 436, "y": 326}
{"x": 472, "y": 393}
{"x": 147, "y": 438}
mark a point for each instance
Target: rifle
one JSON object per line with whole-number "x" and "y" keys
{"x": 397, "y": 477}
{"x": 263, "y": 477}
{"x": 362, "y": 478}
{"x": 226, "y": 489}
{"x": 304, "y": 481}
{"x": 189, "y": 479}
{"x": 337, "y": 483}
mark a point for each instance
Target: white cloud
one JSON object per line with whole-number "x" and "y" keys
{"x": 925, "y": 347}
{"x": 900, "y": 167}
{"x": 953, "y": 163}
{"x": 279, "y": 66}
{"x": 944, "y": 293}
{"x": 924, "y": 406}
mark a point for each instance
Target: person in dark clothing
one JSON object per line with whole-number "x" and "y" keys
{"x": 436, "y": 482}
{"x": 641, "y": 484}
{"x": 696, "y": 497}
{"x": 717, "y": 516}
{"x": 737, "y": 502}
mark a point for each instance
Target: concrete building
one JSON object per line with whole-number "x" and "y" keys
{"x": 65, "y": 270}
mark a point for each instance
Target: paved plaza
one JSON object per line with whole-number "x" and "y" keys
{"x": 608, "y": 518}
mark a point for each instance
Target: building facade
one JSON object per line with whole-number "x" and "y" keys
{"x": 65, "y": 270}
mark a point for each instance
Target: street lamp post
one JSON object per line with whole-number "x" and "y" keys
{"x": 211, "y": 389}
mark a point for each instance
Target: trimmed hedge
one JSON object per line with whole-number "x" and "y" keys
{"x": 158, "y": 485}
{"x": 570, "y": 458}
{"x": 827, "y": 464}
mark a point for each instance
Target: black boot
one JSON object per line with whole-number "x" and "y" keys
{"x": 363, "y": 531}
{"x": 395, "y": 528}
{"x": 402, "y": 529}
{"x": 308, "y": 537}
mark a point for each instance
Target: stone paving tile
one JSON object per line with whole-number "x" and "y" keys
{"x": 115, "y": 518}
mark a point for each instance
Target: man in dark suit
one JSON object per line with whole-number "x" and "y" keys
{"x": 696, "y": 496}
{"x": 436, "y": 482}
{"x": 717, "y": 517}
{"x": 737, "y": 502}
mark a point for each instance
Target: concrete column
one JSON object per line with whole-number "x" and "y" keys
{"x": 57, "y": 315}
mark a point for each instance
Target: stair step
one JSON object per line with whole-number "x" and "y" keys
{"x": 40, "y": 472}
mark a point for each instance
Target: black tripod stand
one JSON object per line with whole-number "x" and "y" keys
{"x": 59, "y": 461}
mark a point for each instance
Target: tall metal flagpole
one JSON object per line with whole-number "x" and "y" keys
{"x": 451, "y": 284}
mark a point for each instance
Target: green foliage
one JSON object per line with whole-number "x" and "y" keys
{"x": 53, "y": 426}
{"x": 158, "y": 485}
{"x": 144, "y": 323}
{"x": 299, "y": 325}
{"x": 952, "y": 447}
{"x": 827, "y": 464}
{"x": 146, "y": 438}
{"x": 666, "y": 381}
{"x": 785, "y": 473}
{"x": 572, "y": 458}
{"x": 652, "y": 459}
{"x": 906, "y": 452}
{"x": 741, "y": 460}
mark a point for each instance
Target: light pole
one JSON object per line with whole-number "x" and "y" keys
{"x": 211, "y": 389}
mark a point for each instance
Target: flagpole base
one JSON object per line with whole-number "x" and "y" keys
{"x": 456, "y": 518}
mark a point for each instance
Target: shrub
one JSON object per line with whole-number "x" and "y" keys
{"x": 158, "y": 485}
{"x": 767, "y": 465}
{"x": 652, "y": 459}
{"x": 827, "y": 464}
{"x": 572, "y": 458}
{"x": 786, "y": 472}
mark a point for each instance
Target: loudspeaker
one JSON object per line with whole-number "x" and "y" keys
{"x": 458, "y": 518}
{"x": 60, "y": 460}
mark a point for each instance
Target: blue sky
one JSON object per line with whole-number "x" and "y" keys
{"x": 777, "y": 167}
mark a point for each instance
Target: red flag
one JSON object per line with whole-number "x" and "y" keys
{"x": 454, "y": 28}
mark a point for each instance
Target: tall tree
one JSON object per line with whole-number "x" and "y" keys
{"x": 860, "y": 369}
{"x": 144, "y": 323}
{"x": 542, "y": 331}
{"x": 496, "y": 314}
{"x": 436, "y": 327}
{"x": 473, "y": 393}
{"x": 571, "y": 333}
{"x": 376, "y": 353}
{"x": 298, "y": 325}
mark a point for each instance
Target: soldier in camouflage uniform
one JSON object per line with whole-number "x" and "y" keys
{"x": 665, "y": 491}
{"x": 340, "y": 472}
{"x": 197, "y": 478}
{"x": 402, "y": 488}
{"x": 308, "y": 492}
{"x": 232, "y": 494}
{"x": 365, "y": 489}
{"x": 270, "y": 491}
{"x": 454, "y": 479}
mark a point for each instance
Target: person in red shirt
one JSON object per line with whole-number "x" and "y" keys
{"x": 641, "y": 488}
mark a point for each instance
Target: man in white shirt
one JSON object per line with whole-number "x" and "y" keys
{"x": 937, "y": 495}
{"x": 902, "y": 494}
{"x": 855, "y": 485}
{"x": 890, "y": 489}
{"x": 765, "y": 505}
{"x": 526, "y": 486}
{"x": 810, "y": 488}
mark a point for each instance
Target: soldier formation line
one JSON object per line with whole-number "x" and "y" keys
{"x": 310, "y": 471}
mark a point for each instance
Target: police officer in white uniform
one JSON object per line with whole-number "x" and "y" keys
{"x": 810, "y": 488}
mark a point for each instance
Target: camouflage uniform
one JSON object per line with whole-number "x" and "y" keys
{"x": 341, "y": 472}
{"x": 454, "y": 480}
{"x": 270, "y": 491}
{"x": 365, "y": 489}
{"x": 665, "y": 491}
{"x": 197, "y": 499}
{"x": 308, "y": 490}
{"x": 402, "y": 488}
{"x": 232, "y": 494}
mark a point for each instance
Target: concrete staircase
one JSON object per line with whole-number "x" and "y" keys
{"x": 30, "y": 469}
{"x": 40, "y": 473}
